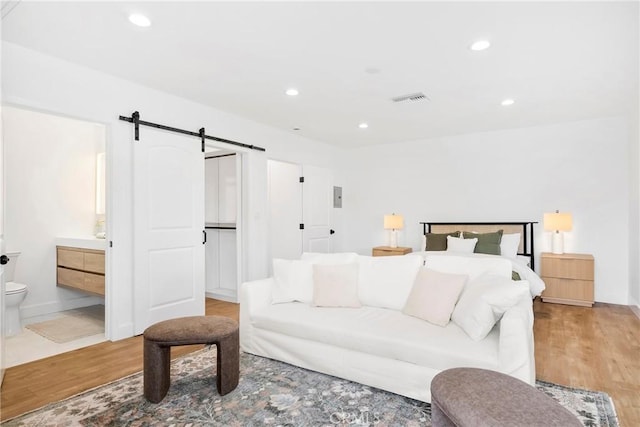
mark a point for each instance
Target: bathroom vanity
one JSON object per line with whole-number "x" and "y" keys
{"x": 81, "y": 265}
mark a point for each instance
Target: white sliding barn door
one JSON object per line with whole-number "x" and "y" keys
{"x": 168, "y": 227}
{"x": 317, "y": 208}
{"x": 285, "y": 209}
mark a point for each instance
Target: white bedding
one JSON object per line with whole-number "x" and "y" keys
{"x": 520, "y": 266}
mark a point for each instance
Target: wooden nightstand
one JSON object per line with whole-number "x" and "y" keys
{"x": 569, "y": 278}
{"x": 389, "y": 251}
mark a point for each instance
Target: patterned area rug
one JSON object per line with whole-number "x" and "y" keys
{"x": 269, "y": 393}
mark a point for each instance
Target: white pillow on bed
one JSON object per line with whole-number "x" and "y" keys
{"x": 509, "y": 245}
{"x": 458, "y": 244}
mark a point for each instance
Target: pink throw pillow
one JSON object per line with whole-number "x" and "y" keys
{"x": 434, "y": 296}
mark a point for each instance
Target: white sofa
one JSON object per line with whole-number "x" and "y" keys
{"x": 377, "y": 344}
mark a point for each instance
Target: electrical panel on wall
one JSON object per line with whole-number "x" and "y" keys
{"x": 337, "y": 197}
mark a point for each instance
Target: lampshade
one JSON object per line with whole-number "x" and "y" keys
{"x": 393, "y": 222}
{"x": 557, "y": 221}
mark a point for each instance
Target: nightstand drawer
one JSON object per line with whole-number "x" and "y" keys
{"x": 566, "y": 289}
{"x": 568, "y": 268}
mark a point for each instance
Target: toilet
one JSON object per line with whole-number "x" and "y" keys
{"x": 13, "y": 297}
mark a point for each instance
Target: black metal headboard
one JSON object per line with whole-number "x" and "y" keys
{"x": 526, "y": 233}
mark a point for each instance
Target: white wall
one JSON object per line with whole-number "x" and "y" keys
{"x": 45, "y": 83}
{"x": 515, "y": 175}
{"x": 50, "y": 192}
{"x": 634, "y": 207}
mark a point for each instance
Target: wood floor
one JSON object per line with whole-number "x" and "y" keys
{"x": 594, "y": 348}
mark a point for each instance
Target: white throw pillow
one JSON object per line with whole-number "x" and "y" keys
{"x": 484, "y": 301}
{"x": 434, "y": 296}
{"x": 458, "y": 244}
{"x": 293, "y": 281}
{"x": 509, "y": 245}
{"x": 387, "y": 281}
{"x": 330, "y": 258}
{"x": 473, "y": 265}
{"x": 335, "y": 285}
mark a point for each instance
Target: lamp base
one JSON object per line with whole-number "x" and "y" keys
{"x": 393, "y": 239}
{"x": 558, "y": 243}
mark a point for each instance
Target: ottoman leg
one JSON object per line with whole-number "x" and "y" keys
{"x": 228, "y": 363}
{"x": 157, "y": 371}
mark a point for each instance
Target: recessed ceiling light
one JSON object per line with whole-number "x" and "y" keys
{"x": 139, "y": 20}
{"x": 296, "y": 128}
{"x": 292, "y": 92}
{"x": 480, "y": 45}
{"x": 507, "y": 102}
{"x": 363, "y": 125}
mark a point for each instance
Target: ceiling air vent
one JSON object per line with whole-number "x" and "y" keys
{"x": 412, "y": 97}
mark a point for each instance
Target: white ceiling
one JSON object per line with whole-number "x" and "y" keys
{"x": 559, "y": 61}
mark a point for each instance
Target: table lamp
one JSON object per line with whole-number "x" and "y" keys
{"x": 393, "y": 222}
{"x": 557, "y": 223}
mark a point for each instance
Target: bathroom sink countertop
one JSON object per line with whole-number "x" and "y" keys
{"x": 88, "y": 242}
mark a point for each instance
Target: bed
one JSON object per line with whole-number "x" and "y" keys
{"x": 520, "y": 249}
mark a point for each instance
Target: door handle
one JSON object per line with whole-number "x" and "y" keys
{"x": 332, "y": 231}
{"x": 204, "y": 237}
{"x": 4, "y": 259}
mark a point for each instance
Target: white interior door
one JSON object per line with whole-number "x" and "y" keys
{"x": 3, "y": 348}
{"x": 285, "y": 209}
{"x": 317, "y": 208}
{"x": 168, "y": 228}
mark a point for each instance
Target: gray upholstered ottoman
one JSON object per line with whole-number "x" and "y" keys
{"x": 464, "y": 397}
{"x": 159, "y": 338}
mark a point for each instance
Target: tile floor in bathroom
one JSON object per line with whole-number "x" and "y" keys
{"x": 29, "y": 346}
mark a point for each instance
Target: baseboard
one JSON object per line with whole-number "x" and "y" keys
{"x": 635, "y": 307}
{"x": 121, "y": 332}
{"x": 222, "y": 297}
{"x": 56, "y": 306}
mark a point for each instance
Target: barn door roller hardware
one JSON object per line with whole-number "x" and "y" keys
{"x": 135, "y": 119}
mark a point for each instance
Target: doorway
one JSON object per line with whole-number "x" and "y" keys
{"x": 180, "y": 229}
{"x": 300, "y": 209}
{"x": 54, "y": 170}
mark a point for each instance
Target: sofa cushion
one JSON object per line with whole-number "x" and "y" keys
{"x": 293, "y": 281}
{"x": 434, "y": 296}
{"x": 335, "y": 285}
{"x": 471, "y": 265}
{"x": 381, "y": 332}
{"x": 294, "y": 278}
{"x": 484, "y": 301}
{"x": 387, "y": 281}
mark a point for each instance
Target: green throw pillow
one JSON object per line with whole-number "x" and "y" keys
{"x": 488, "y": 243}
{"x": 438, "y": 241}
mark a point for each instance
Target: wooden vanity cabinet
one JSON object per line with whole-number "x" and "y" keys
{"x": 80, "y": 269}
